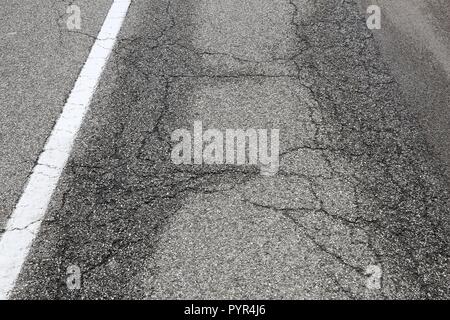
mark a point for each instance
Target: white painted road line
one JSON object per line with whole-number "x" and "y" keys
{"x": 24, "y": 223}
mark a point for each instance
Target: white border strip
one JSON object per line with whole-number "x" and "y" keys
{"x": 24, "y": 223}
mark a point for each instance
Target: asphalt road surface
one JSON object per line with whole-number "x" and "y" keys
{"x": 40, "y": 61}
{"x": 361, "y": 186}
{"x": 415, "y": 41}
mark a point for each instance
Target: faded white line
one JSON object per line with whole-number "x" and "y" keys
{"x": 25, "y": 221}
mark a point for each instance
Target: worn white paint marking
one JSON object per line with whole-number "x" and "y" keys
{"x": 24, "y": 223}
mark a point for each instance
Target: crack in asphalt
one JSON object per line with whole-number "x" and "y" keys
{"x": 102, "y": 211}
{"x": 358, "y": 126}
